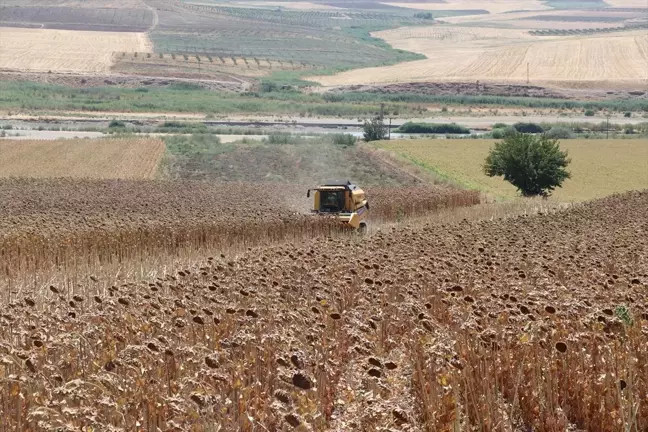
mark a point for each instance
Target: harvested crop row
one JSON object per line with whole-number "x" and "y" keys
{"x": 530, "y": 322}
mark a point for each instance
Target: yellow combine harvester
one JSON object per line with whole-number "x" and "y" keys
{"x": 342, "y": 199}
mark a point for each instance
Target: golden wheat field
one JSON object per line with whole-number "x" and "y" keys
{"x": 121, "y": 158}
{"x": 599, "y": 167}
{"x": 44, "y": 50}
{"x": 502, "y": 55}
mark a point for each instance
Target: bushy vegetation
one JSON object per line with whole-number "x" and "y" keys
{"x": 344, "y": 140}
{"x": 534, "y": 164}
{"x": 116, "y": 124}
{"x": 505, "y": 131}
{"x": 37, "y": 96}
{"x": 430, "y": 128}
{"x": 559, "y": 132}
{"x": 424, "y": 15}
{"x": 619, "y": 105}
{"x": 375, "y": 129}
{"x": 182, "y": 127}
{"x": 531, "y": 128}
{"x": 192, "y": 145}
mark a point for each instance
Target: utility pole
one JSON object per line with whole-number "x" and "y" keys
{"x": 389, "y": 128}
{"x": 607, "y": 126}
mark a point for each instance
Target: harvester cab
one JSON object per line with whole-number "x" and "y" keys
{"x": 343, "y": 200}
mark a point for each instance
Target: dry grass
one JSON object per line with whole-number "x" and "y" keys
{"x": 44, "y": 50}
{"x": 123, "y": 158}
{"x": 528, "y": 323}
{"x": 599, "y": 167}
{"x": 502, "y": 55}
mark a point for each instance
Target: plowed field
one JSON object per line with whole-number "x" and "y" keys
{"x": 44, "y": 50}
{"x": 81, "y": 158}
{"x": 529, "y": 323}
{"x": 502, "y": 55}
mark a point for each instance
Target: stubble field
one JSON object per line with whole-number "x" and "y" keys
{"x": 43, "y": 50}
{"x": 495, "y": 6}
{"x": 136, "y": 158}
{"x": 599, "y": 167}
{"x": 489, "y": 54}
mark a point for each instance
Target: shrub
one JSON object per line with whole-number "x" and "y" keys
{"x": 559, "y": 132}
{"x": 173, "y": 125}
{"x": 497, "y": 134}
{"x": 589, "y": 113}
{"x": 374, "y": 130}
{"x": 499, "y": 125}
{"x": 444, "y": 128}
{"x": 185, "y": 86}
{"x": 424, "y": 15}
{"x": 627, "y": 114}
{"x": 268, "y": 86}
{"x": 528, "y": 127}
{"x": 181, "y": 127}
{"x": 116, "y": 124}
{"x": 344, "y": 140}
{"x": 534, "y": 164}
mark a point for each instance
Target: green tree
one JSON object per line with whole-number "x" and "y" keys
{"x": 375, "y": 129}
{"x": 534, "y": 164}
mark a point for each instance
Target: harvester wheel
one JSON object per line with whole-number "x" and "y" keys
{"x": 362, "y": 229}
